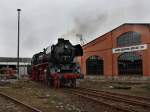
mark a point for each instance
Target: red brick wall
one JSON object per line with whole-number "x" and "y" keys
{"x": 103, "y": 45}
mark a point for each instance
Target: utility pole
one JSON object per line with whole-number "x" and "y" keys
{"x": 18, "y": 42}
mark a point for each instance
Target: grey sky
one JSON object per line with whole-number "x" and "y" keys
{"x": 43, "y": 21}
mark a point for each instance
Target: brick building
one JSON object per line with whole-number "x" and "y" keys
{"x": 123, "y": 51}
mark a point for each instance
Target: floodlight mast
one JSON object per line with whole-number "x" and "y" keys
{"x": 18, "y": 42}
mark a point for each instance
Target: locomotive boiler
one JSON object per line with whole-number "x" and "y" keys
{"x": 56, "y": 65}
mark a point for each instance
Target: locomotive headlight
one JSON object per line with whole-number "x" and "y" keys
{"x": 58, "y": 70}
{"x": 66, "y": 46}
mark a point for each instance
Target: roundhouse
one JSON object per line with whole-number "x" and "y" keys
{"x": 123, "y": 51}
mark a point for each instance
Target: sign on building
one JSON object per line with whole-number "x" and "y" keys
{"x": 130, "y": 48}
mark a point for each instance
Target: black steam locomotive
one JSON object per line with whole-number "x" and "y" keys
{"x": 56, "y": 65}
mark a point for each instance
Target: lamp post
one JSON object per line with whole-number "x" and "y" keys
{"x": 18, "y": 42}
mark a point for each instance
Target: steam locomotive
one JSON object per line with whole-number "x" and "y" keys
{"x": 56, "y": 65}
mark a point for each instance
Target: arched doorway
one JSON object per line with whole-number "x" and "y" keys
{"x": 130, "y": 64}
{"x": 94, "y": 65}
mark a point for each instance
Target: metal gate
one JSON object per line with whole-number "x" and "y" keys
{"x": 94, "y": 65}
{"x": 130, "y": 64}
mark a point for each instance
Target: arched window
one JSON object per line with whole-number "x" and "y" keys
{"x": 94, "y": 65}
{"x": 130, "y": 63}
{"x": 129, "y": 38}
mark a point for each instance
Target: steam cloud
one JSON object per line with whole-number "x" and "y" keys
{"x": 92, "y": 20}
{"x": 84, "y": 26}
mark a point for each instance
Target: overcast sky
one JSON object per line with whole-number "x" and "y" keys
{"x": 43, "y": 21}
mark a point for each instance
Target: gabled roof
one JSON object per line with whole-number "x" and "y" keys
{"x": 101, "y": 37}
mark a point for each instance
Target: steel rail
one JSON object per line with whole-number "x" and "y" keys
{"x": 118, "y": 98}
{"x": 105, "y": 96}
{"x": 104, "y": 103}
{"x": 19, "y": 102}
{"x": 119, "y": 94}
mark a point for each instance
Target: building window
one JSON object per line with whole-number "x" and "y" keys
{"x": 130, "y": 64}
{"x": 94, "y": 65}
{"x": 129, "y": 38}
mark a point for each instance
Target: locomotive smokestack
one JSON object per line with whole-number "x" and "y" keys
{"x": 60, "y": 40}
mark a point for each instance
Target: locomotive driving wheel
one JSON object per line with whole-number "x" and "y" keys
{"x": 73, "y": 83}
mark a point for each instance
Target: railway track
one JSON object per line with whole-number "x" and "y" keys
{"x": 121, "y": 102}
{"x": 124, "y": 96}
{"x": 26, "y": 107}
